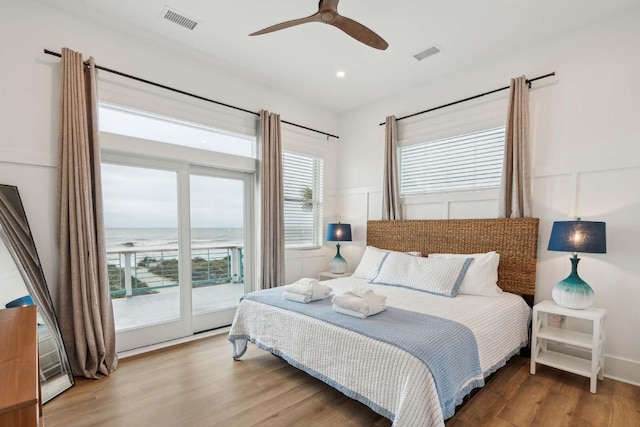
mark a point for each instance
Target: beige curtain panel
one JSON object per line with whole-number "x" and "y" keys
{"x": 272, "y": 198}
{"x": 86, "y": 314}
{"x": 391, "y": 208}
{"x": 515, "y": 189}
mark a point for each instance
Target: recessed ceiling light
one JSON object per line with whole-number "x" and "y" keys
{"x": 340, "y": 74}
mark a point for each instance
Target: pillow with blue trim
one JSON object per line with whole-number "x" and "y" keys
{"x": 371, "y": 260}
{"x": 370, "y": 263}
{"x": 439, "y": 276}
{"x": 482, "y": 275}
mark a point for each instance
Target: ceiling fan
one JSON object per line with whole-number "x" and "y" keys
{"x": 328, "y": 14}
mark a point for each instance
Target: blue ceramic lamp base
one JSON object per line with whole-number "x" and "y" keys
{"x": 573, "y": 292}
{"x": 338, "y": 264}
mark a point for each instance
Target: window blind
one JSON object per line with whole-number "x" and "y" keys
{"x": 302, "y": 181}
{"x": 464, "y": 162}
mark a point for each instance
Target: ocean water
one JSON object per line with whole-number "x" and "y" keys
{"x": 149, "y": 238}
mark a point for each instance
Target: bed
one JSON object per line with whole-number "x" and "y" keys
{"x": 408, "y": 387}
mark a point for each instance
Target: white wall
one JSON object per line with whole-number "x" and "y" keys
{"x": 586, "y": 162}
{"x": 29, "y": 103}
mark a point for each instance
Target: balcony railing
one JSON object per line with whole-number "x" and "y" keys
{"x": 137, "y": 271}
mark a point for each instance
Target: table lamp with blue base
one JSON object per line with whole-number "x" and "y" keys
{"x": 338, "y": 233}
{"x": 576, "y": 236}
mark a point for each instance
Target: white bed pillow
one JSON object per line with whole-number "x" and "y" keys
{"x": 440, "y": 276}
{"x": 371, "y": 261}
{"x": 482, "y": 275}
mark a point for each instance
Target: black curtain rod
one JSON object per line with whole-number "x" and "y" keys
{"x": 529, "y": 81}
{"x": 182, "y": 92}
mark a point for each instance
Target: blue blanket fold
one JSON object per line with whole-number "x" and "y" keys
{"x": 447, "y": 348}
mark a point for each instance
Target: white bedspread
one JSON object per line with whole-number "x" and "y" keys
{"x": 389, "y": 380}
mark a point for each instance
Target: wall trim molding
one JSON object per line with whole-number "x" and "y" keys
{"x": 26, "y": 159}
{"x": 357, "y": 190}
{"x": 620, "y": 369}
{"x": 551, "y": 174}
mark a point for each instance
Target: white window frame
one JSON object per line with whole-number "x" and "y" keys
{"x": 485, "y": 113}
{"x": 318, "y": 200}
{"x": 208, "y": 132}
{"x": 496, "y": 133}
{"x": 138, "y": 152}
{"x": 172, "y": 330}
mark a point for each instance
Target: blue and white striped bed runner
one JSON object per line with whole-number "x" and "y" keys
{"x": 448, "y": 348}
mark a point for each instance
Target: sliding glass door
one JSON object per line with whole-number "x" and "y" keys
{"x": 218, "y": 246}
{"x": 178, "y": 247}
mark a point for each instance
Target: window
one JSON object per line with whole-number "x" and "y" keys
{"x": 465, "y": 162}
{"x": 138, "y": 124}
{"x": 179, "y": 224}
{"x": 302, "y": 176}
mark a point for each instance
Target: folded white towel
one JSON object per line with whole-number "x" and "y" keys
{"x": 309, "y": 287}
{"x": 360, "y": 291}
{"x": 298, "y": 288}
{"x": 308, "y": 281}
{"x": 372, "y": 303}
{"x": 354, "y": 313}
{"x": 296, "y": 297}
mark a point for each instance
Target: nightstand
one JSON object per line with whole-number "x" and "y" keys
{"x": 327, "y": 275}
{"x": 543, "y": 333}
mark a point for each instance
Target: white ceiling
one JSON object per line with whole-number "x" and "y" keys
{"x": 302, "y": 61}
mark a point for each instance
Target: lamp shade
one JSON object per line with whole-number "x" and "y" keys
{"x": 578, "y": 236}
{"x": 339, "y": 232}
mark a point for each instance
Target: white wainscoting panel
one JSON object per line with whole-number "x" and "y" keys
{"x": 473, "y": 209}
{"x": 612, "y": 196}
{"x": 375, "y": 205}
{"x": 429, "y": 210}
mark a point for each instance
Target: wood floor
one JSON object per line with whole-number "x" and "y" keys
{"x": 198, "y": 384}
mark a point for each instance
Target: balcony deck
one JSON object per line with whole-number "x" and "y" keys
{"x": 144, "y": 310}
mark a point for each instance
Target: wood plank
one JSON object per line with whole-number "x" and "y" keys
{"x": 199, "y": 384}
{"x": 19, "y": 373}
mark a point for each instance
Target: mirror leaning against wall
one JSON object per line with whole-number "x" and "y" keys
{"x": 22, "y": 282}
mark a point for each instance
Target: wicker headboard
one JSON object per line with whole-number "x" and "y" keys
{"x": 516, "y": 240}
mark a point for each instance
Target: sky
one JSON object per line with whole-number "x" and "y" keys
{"x": 140, "y": 197}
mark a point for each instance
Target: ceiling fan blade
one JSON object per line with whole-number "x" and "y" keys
{"x": 283, "y": 25}
{"x": 328, "y": 6}
{"x": 359, "y": 32}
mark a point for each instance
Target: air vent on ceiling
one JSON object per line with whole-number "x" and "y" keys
{"x": 427, "y": 53}
{"x": 178, "y": 18}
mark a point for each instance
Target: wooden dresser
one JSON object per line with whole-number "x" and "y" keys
{"x": 20, "y": 396}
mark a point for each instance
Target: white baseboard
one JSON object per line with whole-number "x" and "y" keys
{"x": 627, "y": 371}
{"x": 201, "y": 335}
